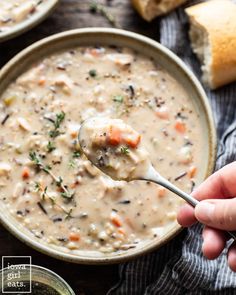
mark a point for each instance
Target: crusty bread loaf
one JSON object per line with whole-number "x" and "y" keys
{"x": 213, "y": 38}
{"x": 149, "y": 9}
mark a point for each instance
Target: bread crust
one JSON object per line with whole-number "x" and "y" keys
{"x": 149, "y": 9}
{"x": 217, "y": 18}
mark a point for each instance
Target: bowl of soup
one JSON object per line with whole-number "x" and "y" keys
{"x": 19, "y": 16}
{"x": 52, "y": 197}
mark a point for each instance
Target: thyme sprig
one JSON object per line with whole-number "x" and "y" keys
{"x": 43, "y": 191}
{"x": 36, "y": 159}
{"x": 99, "y": 8}
{"x": 57, "y": 123}
{"x": 44, "y": 194}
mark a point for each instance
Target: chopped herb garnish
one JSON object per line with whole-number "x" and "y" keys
{"x": 50, "y": 147}
{"x": 59, "y": 181}
{"x": 118, "y": 98}
{"x": 93, "y": 73}
{"x": 76, "y": 154}
{"x": 67, "y": 194}
{"x": 38, "y": 162}
{"x": 72, "y": 164}
{"x": 44, "y": 193}
{"x": 37, "y": 187}
{"x": 68, "y": 214}
{"x": 124, "y": 150}
{"x": 57, "y": 123}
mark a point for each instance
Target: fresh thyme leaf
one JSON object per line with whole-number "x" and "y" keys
{"x": 68, "y": 214}
{"x": 93, "y": 73}
{"x": 59, "y": 119}
{"x": 59, "y": 181}
{"x": 44, "y": 193}
{"x": 52, "y": 200}
{"x": 46, "y": 168}
{"x": 67, "y": 195}
{"x": 54, "y": 133}
{"x": 118, "y": 98}
{"x": 76, "y": 154}
{"x": 50, "y": 147}
{"x": 72, "y": 164}
{"x": 37, "y": 187}
{"x": 57, "y": 123}
{"x": 34, "y": 158}
{"x": 124, "y": 150}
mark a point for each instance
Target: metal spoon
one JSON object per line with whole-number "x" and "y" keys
{"x": 150, "y": 173}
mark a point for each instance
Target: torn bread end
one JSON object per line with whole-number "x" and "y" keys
{"x": 149, "y": 9}
{"x": 202, "y": 48}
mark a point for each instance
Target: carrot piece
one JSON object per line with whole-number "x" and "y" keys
{"x": 114, "y": 137}
{"x": 133, "y": 142}
{"x": 180, "y": 126}
{"x": 192, "y": 171}
{"x": 116, "y": 220}
{"x": 74, "y": 237}
{"x": 74, "y": 134}
{"x": 161, "y": 192}
{"x": 25, "y": 173}
{"x": 42, "y": 81}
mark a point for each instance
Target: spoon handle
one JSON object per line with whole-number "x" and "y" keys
{"x": 188, "y": 198}
{"x": 157, "y": 178}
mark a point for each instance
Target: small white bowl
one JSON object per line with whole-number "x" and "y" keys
{"x": 45, "y": 9}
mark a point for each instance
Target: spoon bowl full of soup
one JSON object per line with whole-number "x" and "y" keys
{"x": 52, "y": 197}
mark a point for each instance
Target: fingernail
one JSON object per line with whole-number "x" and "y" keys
{"x": 204, "y": 211}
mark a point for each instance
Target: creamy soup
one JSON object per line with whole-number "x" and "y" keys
{"x": 115, "y": 148}
{"x": 13, "y": 12}
{"x": 51, "y": 188}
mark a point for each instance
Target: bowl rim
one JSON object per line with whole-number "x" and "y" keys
{"x": 128, "y": 255}
{"x": 29, "y": 23}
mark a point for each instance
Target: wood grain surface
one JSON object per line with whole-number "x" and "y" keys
{"x": 70, "y": 14}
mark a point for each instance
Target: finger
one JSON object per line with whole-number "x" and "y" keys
{"x": 213, "y": 242}
{"x": 219, "y": 185}
{"x": 232, "y": 257}
{"x": 185, "y": 216}
{"x": 220, "y": 214}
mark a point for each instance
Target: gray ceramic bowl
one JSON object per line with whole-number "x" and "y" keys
{"x": 166, "y": 59}
{"x": 45, "y": 9}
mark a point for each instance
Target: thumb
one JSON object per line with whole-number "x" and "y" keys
{"x": 219, "y": 214}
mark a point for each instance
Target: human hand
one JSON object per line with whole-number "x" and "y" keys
{"x": 217, "y": 211}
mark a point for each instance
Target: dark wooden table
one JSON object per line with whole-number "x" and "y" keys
{"x": 70, "y": 14}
